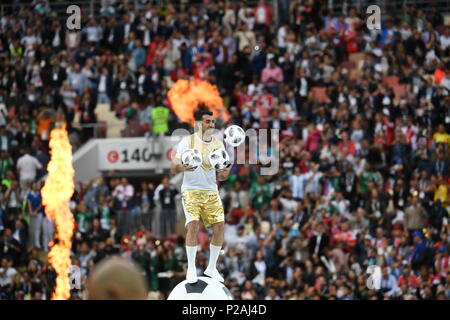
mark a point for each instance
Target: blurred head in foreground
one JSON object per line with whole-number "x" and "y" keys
{"x": 116, "y": 279}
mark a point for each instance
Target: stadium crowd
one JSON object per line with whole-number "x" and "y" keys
{"x": 364, "y": 172}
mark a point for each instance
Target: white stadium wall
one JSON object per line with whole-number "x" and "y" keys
{"x": 125, "y": 155}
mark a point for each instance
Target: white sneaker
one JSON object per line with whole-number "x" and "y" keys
{"x": 213, "y": 273}
{"x": 191, "y": 276}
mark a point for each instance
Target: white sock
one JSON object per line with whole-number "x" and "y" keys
{"x": 191, "y": 253}
{"x": 214, "y": 252}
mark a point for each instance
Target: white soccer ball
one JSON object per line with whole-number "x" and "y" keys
{"x": 204, "y": 289}
{"x": 192, "y": 158}
{"x": 234, "y": 135}
{"x": 219, "y": 159}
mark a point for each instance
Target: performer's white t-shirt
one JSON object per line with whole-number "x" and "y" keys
{"x": 204, "y": 177}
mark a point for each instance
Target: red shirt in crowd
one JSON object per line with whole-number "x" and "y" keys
{"x": 154, "y": 50}
{"x": 348, "y": 237}
{"x": 443, "y": 263}
{"x": 241, "y": 98}
{"x": 390, "y": 132}
{"x": 313, "y": 140}
{"x": 412, "y": 281}
{"x": 178, "y": 73}
{"x": 348, "y": 147}
{"x": 268, "y": 11}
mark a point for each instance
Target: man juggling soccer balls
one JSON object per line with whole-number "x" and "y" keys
{"x": 203, "y": 160}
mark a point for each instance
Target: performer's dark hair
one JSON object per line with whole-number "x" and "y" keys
{"x": 201, "y": 111}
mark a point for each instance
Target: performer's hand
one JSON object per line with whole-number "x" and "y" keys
{"x": 185, "y": 167}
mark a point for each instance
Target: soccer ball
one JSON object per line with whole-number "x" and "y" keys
{"x": 204, "y": 289}
{"x": 192, "y": 158}
{"x": 219, "y": 159}
{"x": 234, "y": 135}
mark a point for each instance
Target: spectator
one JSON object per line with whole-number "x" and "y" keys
{"x": 258, "y": 270}
{"x": 272, "y": 77}
{"x": 5, "y": 138}
{"x": 7, "y": 275}
{"x": 272, "y": 294}
{"x": 144, "y": 84}
{"x": 160, "y": 126}
{"x": 263, "y": 14}
{"x": 249, "y": 293}
{"x": 415, "y": 216}
{"x": 12, "y": 201}
{"x": 35, "y": 209}
{"x": 246, "y": 37}
{"x": 123, "y": 85}
{"x": 77, "y": 79}
{"x": 297, "y": 183}
{"x": 108, "y": 277}
{"x": 138, "y": 55}
{"x": 168, "y": 209}
{"x": 104, "y": 87}
{"x": 409, "y": 279}
{"x": 104, "y": 213}
{"x": 93, "y": 32}
{"x": 11, "y": 253}
{"x": 6, "y": 164}
{"x": 68, "y": 96}
{"x": 319, "y": 241}
{"x": 388, "y": 283}
{"x": 27, "y": 165}
{"x": 419, "y": 251}
{"x": 122, "y": 194}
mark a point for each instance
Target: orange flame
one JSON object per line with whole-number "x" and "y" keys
{"x": 185, "y": 95}
{"x": 56, "y": 193}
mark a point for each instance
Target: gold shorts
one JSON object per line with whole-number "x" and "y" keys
{"x": 203, "y": 204}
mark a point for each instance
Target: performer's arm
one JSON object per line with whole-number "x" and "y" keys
{"x": 177, "y": 166}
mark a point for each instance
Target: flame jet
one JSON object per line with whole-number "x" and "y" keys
{"x": 56, "y": 193}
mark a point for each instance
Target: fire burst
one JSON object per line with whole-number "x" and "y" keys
{"x": 56, "y": 193}
{"x": 185, "y": 95}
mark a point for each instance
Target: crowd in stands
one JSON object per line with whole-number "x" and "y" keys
{"x": 364, "y": 176}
